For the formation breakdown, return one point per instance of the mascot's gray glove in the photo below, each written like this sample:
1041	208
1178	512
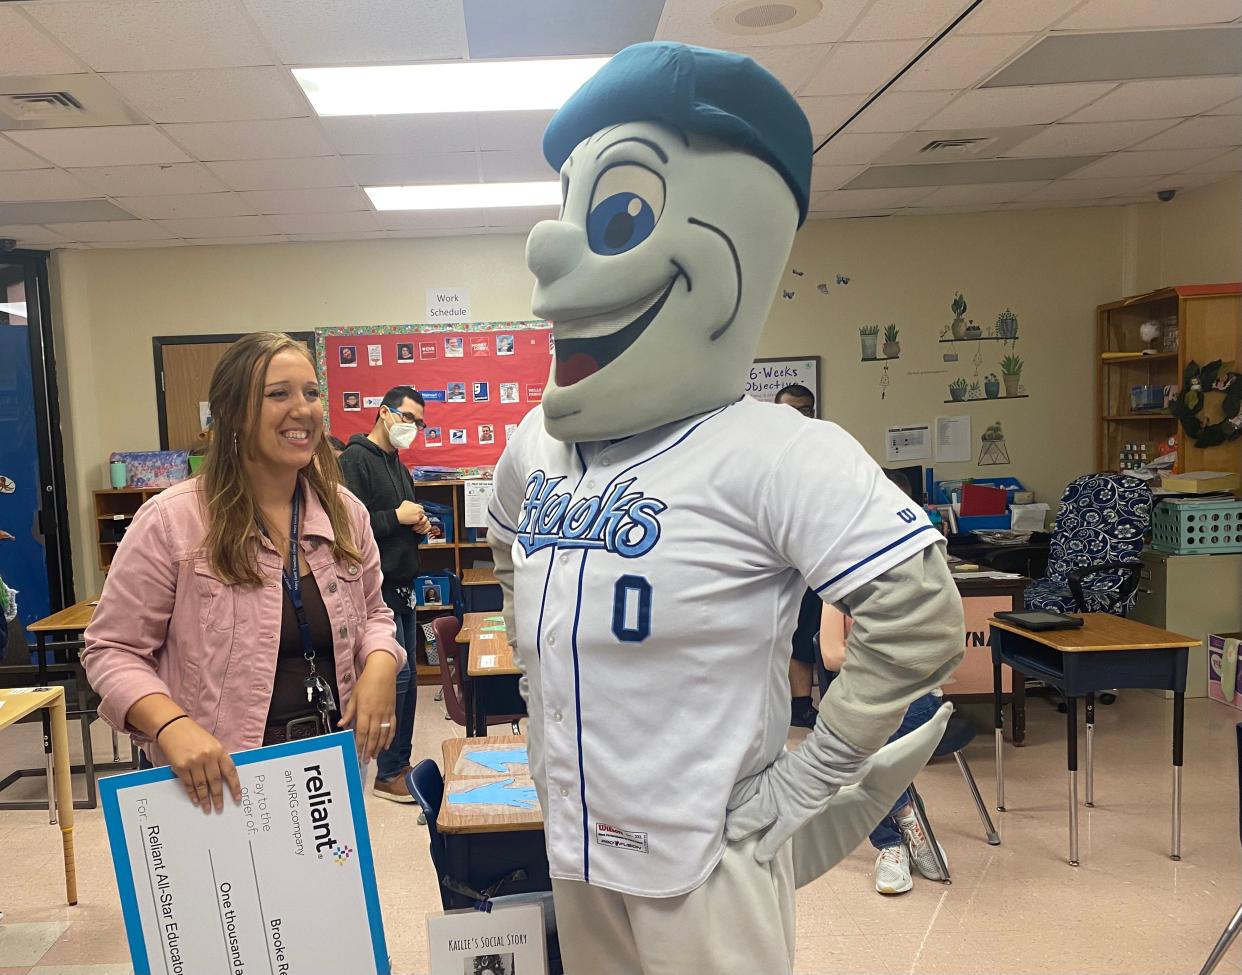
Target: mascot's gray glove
792	790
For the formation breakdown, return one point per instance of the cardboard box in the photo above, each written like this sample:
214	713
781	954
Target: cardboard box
1224	674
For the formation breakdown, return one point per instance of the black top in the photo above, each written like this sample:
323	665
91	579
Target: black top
381	483
289	689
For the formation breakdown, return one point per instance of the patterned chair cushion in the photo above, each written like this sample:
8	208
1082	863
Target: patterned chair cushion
1100	591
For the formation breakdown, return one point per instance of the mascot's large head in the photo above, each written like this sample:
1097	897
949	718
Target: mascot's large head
685	173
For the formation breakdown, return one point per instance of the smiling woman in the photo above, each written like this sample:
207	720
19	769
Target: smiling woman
244	604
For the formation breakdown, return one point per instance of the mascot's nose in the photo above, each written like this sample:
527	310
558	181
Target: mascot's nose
553	249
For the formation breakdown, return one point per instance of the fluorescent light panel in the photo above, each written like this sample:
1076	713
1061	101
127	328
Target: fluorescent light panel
465	196
459	86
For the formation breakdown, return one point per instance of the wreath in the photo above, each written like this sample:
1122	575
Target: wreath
1196	383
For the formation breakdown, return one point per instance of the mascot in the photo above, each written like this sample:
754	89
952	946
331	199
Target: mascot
652	529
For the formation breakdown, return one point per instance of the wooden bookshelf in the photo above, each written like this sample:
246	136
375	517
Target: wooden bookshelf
114	511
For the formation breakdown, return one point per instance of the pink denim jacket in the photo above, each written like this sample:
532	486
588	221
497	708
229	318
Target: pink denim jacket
166	624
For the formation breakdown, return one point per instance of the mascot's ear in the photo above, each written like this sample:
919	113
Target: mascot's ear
852	813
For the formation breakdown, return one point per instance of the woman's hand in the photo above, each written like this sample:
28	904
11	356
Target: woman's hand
371	711
201	763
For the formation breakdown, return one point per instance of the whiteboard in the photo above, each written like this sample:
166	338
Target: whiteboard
769	376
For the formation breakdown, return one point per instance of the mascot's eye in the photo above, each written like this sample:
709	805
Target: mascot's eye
625	207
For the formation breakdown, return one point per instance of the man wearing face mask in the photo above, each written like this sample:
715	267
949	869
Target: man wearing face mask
372	470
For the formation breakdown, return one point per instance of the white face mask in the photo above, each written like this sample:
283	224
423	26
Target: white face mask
402	435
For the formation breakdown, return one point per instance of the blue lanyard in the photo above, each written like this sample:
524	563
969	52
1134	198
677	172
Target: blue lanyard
293	583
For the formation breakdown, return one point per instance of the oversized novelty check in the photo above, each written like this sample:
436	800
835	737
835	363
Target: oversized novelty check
282	884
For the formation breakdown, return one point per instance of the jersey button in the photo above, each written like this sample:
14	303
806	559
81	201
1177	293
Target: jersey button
564	557
564	793
606	462
551	639
557	716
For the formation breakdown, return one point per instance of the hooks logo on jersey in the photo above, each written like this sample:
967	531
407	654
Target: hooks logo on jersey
622	521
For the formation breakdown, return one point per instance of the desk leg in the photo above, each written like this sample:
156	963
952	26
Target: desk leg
998	717
47	733
1018	708
1090	708
1179	721
1071	743
64	795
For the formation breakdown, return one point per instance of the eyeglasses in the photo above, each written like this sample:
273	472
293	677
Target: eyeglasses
409	418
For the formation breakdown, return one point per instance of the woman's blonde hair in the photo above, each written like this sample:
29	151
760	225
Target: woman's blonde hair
236	398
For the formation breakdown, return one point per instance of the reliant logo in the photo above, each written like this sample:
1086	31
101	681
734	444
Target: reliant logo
342	854
319	798
621	521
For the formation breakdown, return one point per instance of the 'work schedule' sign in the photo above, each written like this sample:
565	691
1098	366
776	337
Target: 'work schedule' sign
282	884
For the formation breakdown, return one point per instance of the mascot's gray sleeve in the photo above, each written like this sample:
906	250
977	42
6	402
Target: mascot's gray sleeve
907	638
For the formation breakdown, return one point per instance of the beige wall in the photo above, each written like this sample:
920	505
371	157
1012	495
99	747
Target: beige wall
1195	238
1051	267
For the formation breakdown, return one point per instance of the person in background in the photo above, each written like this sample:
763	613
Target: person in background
337	445
373	470
802	712
196	647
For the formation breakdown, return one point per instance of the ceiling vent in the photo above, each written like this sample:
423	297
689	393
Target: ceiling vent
952	147
765	16
59	101
34	106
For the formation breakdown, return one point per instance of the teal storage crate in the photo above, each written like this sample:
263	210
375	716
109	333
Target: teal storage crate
1187	526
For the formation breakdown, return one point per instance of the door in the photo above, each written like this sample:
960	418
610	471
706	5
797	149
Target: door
34	553
183	368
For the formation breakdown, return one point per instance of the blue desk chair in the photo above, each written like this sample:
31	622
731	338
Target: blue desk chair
1234	926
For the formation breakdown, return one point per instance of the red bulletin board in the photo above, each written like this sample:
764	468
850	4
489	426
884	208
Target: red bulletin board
479	381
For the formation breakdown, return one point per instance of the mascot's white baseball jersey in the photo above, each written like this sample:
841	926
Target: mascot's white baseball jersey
653	529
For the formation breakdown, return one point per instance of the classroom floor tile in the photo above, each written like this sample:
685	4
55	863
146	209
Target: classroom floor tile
1016	908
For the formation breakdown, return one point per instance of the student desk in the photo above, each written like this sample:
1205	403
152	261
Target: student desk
500	829
981	597
490	656
1106	652
15	704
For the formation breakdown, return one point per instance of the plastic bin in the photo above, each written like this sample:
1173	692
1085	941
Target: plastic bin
1146	398
1188	526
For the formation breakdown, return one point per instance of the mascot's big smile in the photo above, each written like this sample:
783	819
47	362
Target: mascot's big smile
578	358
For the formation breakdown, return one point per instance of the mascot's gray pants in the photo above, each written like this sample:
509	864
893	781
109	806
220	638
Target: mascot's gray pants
740	921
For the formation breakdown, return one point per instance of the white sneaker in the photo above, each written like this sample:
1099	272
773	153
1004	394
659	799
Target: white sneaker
892	871
920	849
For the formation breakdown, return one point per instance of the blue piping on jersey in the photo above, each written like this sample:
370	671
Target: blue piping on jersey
874	555
665	450
501	524
586	836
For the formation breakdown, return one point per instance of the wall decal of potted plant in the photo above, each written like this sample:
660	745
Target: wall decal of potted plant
958	327
1007	326
868	335
991	386
957	389
975	391
892	348
973	331
1011	370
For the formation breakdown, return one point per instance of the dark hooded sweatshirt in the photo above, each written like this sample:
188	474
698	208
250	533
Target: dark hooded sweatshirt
381	484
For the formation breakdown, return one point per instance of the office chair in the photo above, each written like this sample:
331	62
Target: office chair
1235	925
452	670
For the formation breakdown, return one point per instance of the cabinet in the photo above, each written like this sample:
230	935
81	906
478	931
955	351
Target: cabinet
1191	594
1198	323
114	510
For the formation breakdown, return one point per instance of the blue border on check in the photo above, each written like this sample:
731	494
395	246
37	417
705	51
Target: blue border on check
110	788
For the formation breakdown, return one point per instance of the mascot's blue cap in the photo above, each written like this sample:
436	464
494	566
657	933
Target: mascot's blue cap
696	89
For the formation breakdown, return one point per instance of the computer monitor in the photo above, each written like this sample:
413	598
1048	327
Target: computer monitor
913	477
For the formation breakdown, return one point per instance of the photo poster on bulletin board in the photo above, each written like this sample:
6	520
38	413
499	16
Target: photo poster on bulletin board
769	376
479	380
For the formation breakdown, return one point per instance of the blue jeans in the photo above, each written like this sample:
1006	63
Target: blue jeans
393	760
918	714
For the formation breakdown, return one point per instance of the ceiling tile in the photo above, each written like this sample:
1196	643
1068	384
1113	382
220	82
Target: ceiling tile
1160	98
824	178
1015	18
1184	182
14	157
980	193
507	130
219	227
557	28
355	235
110	145
1088	189
337	199
274	139
42	184
315	223
849	149
1228	163
850	214
59	211
362	31
901	111
793	66
440	167
282	174
1229	108
1207	130
519	217
111	230
967	173
827	112
1079	139
1015	106
26	50
238	241
150	180
509	165
1146	163
147	35
893	19
960	62
172	207
28	235
857	200
860	67
385	134
215	95
691	21
1117	14
432	219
